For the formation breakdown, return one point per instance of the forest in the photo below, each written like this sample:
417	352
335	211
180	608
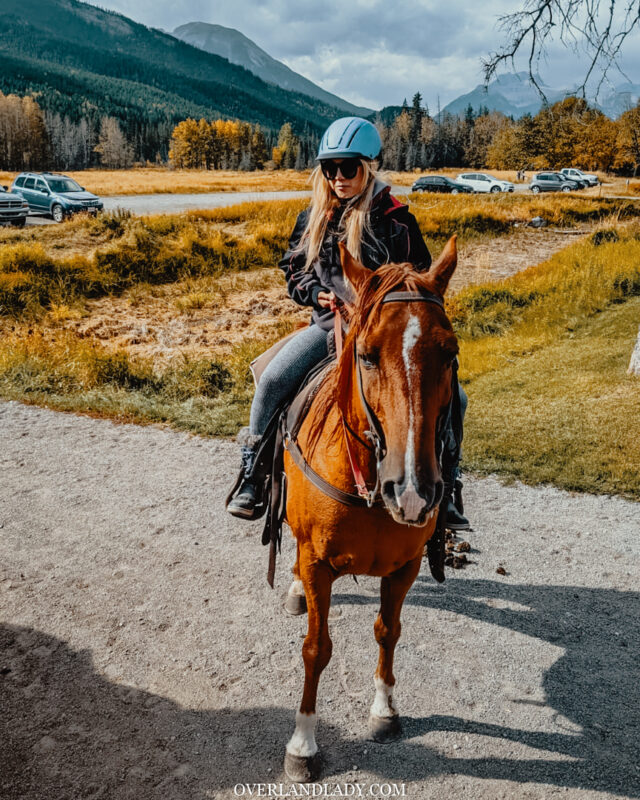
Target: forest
570	132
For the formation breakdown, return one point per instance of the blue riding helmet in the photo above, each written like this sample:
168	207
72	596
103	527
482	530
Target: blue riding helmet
348	137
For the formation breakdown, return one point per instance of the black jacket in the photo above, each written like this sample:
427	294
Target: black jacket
397	239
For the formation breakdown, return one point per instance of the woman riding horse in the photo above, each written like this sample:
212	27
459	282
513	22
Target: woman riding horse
349	204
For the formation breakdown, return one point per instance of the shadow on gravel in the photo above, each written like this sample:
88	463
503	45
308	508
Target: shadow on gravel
594	684
66	732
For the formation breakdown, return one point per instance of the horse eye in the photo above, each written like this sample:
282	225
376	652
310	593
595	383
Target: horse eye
368	360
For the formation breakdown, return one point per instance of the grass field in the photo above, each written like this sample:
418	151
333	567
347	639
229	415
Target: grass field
161	180
543	353
544	359
46	266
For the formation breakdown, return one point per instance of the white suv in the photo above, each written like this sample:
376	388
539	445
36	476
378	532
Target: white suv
481	182
579	175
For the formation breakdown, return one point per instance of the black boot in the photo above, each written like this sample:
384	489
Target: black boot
243	502
456	520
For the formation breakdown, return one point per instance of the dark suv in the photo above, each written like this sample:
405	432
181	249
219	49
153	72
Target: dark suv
55	194
440	183
13	208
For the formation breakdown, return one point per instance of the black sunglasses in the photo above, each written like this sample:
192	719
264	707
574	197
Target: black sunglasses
348	168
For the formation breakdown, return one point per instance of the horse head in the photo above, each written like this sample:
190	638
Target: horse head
401	347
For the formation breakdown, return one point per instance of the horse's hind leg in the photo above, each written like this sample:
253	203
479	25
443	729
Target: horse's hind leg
296	602
301	761
384	722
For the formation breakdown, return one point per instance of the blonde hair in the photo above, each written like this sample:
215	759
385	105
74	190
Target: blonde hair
355	220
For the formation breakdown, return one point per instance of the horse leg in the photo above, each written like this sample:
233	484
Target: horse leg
384	722
302	763
296	602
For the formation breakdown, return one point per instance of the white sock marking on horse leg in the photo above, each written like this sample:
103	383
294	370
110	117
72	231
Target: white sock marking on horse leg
297	588
382	702
303	741
410	501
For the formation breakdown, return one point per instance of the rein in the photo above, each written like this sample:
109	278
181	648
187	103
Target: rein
375	434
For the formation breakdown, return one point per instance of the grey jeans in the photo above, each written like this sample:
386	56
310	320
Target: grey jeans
285	373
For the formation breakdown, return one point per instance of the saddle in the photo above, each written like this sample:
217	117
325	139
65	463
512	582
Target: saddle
281	433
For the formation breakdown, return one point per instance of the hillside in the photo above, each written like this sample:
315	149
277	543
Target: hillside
239	49
83	61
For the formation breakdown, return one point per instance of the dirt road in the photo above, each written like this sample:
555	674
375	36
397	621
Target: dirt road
143	656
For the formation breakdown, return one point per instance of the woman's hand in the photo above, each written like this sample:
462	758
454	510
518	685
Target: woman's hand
325	298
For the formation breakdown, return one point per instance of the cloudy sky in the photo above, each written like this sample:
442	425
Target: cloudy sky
371	52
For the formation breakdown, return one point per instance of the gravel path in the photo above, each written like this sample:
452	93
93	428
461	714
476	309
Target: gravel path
142	654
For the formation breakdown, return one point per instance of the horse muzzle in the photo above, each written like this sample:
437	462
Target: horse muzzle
409	504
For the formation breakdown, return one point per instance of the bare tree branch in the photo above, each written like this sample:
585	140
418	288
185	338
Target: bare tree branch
595	27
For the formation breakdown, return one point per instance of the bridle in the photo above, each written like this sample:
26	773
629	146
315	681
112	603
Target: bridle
374	434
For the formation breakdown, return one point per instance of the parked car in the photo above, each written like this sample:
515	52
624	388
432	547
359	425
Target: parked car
481	182
551	182
13	208
579	183
578	174
440	183
55	194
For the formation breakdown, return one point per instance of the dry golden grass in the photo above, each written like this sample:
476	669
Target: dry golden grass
159	180
559	408
179	311
544	357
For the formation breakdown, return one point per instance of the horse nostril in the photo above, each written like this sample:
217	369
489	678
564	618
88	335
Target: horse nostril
388	490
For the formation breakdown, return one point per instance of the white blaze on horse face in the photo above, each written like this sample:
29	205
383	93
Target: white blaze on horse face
303	741
409	500
382	702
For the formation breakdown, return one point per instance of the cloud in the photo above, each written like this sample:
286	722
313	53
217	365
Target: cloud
371	52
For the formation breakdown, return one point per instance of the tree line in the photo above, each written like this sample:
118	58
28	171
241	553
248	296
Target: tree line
33	139
567	133
229	144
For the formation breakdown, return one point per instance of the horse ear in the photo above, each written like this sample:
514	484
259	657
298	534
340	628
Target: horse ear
355	272
444	267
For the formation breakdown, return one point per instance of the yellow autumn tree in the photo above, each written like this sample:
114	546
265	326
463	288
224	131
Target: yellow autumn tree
628	141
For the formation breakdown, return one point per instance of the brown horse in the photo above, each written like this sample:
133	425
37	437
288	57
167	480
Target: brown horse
391	384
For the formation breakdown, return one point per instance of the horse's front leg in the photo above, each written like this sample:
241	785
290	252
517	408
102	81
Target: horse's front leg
384	722
302	761
296	602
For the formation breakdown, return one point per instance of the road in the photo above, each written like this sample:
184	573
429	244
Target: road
142	654
172	203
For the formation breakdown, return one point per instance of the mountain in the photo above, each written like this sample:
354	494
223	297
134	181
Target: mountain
514	95
80	60
619	99
238	49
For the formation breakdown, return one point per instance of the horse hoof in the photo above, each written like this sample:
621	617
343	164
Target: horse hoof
302	769
385	729
295	604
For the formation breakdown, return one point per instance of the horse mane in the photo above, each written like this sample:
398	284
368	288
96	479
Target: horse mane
365	311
